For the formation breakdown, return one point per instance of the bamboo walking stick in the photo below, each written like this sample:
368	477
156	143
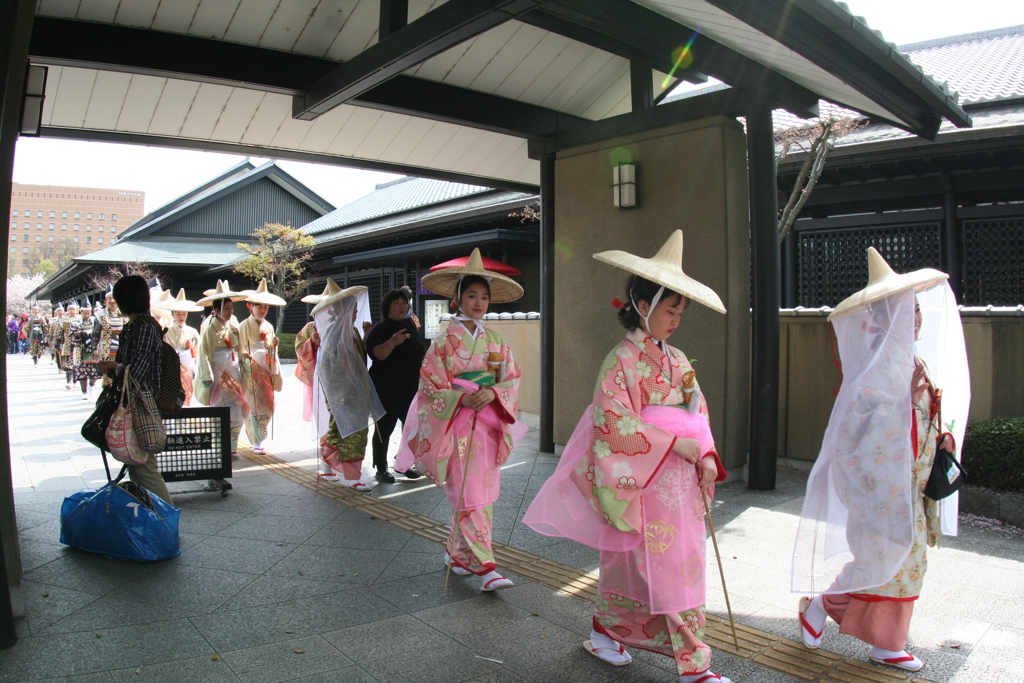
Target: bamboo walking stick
458	511
721	570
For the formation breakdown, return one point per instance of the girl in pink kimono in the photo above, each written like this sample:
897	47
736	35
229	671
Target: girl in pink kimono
632	479
462	425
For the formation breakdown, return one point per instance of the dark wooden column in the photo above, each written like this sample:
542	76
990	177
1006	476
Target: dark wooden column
15	30
791	296
952	244
547	303
765	299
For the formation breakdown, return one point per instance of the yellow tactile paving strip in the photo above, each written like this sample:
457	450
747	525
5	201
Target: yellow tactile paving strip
766	649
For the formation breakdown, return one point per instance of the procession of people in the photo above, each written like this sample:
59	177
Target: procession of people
869	515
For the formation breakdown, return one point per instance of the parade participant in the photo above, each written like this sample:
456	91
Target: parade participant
37	329
632	478
462	426
13	330
184	339
54	334
261	371
83	334
218	379
307	346
111	322
66	359
396	352
861	547
346	401
23	334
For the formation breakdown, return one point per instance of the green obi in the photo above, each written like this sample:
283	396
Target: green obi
482	378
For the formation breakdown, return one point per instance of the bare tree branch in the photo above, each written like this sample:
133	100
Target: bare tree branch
281	254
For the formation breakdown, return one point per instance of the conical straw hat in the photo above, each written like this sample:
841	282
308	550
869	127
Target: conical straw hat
260	295
665	268
445	282
180	303
883	281
158	304
223	291
330	288
329	299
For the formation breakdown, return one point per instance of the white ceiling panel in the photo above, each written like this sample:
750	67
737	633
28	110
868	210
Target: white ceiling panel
138	13
550	79
72	97
212	18
288	23
479	53
413	132
586	83
323	27
436	68
291	132
479	151
358	126
251	20
608	104
175	17
172	109
526	71
499	156
325	128
530	173
358	32
436	139
519	45
140	103
205	111
58	8
108	93
516	163
236	115
380	136
449	155
272	112
417	8
98	10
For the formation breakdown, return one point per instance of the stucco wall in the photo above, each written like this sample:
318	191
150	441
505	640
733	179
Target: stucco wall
690	176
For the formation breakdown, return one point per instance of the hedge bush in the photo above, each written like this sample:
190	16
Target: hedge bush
287	346
993	454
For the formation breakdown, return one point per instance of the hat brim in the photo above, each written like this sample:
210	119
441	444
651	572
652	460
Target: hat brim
334	298
234	296
444	282
894	284
312	298
671	278
183	305
265	298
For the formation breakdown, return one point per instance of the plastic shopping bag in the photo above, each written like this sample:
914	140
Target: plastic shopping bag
113	522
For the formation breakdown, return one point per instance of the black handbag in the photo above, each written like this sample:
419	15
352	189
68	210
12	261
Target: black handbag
947	475
94	429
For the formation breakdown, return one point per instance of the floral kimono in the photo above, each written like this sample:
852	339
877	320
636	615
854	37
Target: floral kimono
217	373
54	336
108	332
646	513
451	440
185	340
81	333
307	345
68	328
261	375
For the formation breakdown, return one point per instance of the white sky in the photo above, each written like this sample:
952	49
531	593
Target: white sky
164	174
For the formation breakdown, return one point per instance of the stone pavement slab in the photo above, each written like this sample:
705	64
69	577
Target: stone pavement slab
277	582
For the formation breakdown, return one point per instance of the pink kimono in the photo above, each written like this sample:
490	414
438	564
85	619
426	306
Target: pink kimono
620	488
447	440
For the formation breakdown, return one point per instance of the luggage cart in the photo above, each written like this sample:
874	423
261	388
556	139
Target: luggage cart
198	446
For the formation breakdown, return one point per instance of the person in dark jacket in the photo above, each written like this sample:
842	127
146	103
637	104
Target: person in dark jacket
396	351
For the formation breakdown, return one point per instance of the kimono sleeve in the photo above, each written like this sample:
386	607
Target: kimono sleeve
507	391
306	342
436	400
626	451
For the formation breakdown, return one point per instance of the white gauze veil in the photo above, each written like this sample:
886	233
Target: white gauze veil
341	373
857	527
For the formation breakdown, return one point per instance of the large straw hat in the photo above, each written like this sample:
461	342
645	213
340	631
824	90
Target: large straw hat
260	295
445	282
180	303
158	303
883	281
329	289
665	268
223	291
328	299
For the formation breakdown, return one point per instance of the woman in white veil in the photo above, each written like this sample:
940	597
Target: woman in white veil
866	523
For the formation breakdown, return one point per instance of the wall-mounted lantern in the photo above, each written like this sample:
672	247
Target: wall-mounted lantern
624	186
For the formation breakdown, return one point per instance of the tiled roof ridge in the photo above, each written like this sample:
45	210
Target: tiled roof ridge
963	38
396	181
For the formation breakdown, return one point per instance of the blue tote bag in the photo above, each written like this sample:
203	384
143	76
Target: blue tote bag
113	522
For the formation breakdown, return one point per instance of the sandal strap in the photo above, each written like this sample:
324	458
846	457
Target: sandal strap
498	578
708	677
898	660
807	627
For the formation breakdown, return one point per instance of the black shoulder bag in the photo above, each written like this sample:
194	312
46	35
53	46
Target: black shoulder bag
948	474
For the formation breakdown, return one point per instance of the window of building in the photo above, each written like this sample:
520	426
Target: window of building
14	213
24	261
100	240
113	216
113	228
76	226
88	215
88	239
52	226
88	228
101	216
63	238
77	214
24	250
39	226
51	238
100	228
39	214
14	238
76	238
28	225
63	226
63	214
53	214
26	238
39	238
14	250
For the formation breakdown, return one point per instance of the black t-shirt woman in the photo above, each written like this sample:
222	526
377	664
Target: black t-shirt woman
395	348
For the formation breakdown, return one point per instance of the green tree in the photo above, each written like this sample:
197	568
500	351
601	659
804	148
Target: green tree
281	254
44	266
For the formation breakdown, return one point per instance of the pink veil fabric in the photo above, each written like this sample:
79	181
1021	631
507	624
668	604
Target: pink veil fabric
664	566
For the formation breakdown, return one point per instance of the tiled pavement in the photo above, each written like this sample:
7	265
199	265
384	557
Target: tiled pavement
277	582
